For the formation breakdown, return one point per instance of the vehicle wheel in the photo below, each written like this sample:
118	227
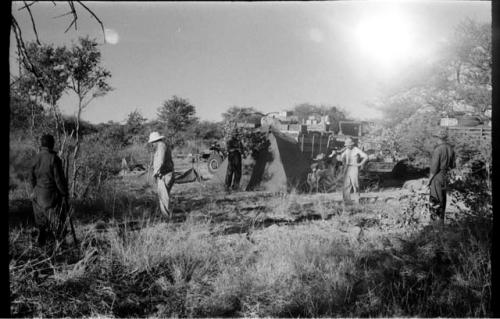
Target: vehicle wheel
214	162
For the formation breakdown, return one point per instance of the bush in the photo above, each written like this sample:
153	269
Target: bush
21	154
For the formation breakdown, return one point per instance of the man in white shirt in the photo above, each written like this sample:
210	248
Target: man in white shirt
351	169
163	171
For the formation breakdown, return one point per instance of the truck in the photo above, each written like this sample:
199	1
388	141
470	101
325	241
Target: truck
213	156
216	153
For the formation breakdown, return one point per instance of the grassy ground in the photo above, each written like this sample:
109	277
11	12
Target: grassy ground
253	254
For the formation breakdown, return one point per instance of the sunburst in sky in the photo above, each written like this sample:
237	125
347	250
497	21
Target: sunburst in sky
267	55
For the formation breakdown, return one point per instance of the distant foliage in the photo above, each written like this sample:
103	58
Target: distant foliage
99	160
177	115
242	114
206	130
27	116
415	137
53	72
135	128
411	139
459	80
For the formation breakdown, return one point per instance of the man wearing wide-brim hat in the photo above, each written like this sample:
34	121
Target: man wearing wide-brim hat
443	160
163	171
351	169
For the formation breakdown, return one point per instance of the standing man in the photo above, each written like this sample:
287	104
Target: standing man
50	193
443	159
233	174
163	171
351	169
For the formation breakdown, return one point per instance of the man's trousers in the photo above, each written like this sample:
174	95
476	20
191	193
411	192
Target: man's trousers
438	195
165	184
351	183
233	174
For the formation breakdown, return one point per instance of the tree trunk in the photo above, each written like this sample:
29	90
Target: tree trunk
57	120
98	186
77	147
32	123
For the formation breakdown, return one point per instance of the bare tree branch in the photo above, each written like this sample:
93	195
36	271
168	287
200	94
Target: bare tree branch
75	16
22	51
25	59
69	27
32	20
26	6
95	17
63	15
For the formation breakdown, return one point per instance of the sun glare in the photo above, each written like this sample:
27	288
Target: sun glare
387	37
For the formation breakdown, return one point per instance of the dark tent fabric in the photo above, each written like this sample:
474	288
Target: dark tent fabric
282	167
191	175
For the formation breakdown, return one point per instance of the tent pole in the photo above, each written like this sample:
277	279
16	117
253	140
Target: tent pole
312	153
320	140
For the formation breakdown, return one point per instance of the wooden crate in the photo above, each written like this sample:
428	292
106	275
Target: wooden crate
448	121
294	127
470	131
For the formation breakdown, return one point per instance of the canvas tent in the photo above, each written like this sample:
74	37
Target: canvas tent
280	168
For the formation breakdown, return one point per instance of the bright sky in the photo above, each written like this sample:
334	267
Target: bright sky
266	55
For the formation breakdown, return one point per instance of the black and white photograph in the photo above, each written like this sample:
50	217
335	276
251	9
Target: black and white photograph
250	159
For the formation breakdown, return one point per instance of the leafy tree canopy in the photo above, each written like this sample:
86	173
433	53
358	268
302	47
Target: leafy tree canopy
177	116
242	114
459	81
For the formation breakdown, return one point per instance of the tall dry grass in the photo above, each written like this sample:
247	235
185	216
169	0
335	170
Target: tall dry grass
306	270
363	261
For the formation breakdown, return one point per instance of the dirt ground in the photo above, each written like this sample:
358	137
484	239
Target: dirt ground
232	212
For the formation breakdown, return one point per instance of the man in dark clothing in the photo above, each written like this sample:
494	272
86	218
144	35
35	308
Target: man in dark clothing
443	159
50	192
233	174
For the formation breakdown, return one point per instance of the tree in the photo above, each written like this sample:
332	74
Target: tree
177	115
207	131
459	80
135	121
88	80
471	53
135	128
242	114
26	115
52	67
23	52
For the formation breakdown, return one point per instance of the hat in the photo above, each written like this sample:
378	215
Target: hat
155	137
348	142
